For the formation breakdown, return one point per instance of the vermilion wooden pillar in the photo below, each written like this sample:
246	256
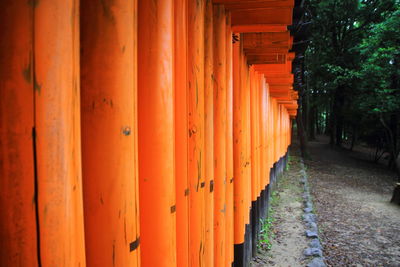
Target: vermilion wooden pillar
181	133
270	133
241	152
109	132
229	143
278	133
40	91
245	84
156	133
18	220
208	134
263	102
254	135
57	134
268	138
238	159
259	185
275	129
219	45
196	169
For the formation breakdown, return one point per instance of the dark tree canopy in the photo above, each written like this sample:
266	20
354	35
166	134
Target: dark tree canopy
351	73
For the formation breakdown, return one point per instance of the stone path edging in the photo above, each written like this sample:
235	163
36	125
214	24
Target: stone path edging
314	250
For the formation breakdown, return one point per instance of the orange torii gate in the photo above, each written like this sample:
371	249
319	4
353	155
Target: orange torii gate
141	133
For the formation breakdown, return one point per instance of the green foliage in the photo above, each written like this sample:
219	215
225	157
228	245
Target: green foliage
352	67
287	167
266	233
379	91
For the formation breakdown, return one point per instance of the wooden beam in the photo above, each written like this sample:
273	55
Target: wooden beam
265	40
288	80
278	75
270	68
280	95
254	4
279	87
266	59
259	28
267	50
262	16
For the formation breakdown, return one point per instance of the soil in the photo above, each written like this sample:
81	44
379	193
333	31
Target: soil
358	225
288	241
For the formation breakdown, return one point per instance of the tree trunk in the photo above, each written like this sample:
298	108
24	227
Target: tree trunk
393	140
398	167
317	122
327	122
338	103
339	130
332	129
312	120
391	136
305	109
353	138
332	122
396	195
300	119
301	134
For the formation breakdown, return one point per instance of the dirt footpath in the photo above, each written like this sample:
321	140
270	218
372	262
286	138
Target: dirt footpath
288	241
358	225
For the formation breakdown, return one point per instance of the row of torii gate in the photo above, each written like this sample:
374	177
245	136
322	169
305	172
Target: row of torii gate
140	133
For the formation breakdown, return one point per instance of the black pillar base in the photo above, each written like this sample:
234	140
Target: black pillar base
247	246
258	212
239	255
254	227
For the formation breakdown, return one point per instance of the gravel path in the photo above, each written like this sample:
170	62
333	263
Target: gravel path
359	227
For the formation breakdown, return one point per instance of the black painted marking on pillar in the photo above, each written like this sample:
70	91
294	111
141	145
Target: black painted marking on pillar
173	209
203	184
186	191
134	245
211	186
231	181
36	196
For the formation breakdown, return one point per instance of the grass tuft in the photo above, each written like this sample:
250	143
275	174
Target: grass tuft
266	232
